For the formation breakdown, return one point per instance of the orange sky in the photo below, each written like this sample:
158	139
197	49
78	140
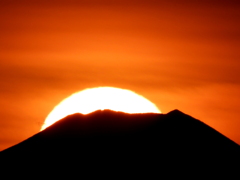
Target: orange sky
179	54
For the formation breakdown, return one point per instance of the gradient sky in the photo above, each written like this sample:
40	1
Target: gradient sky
179	54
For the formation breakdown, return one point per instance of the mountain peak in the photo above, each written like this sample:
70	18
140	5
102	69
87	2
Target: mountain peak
176	112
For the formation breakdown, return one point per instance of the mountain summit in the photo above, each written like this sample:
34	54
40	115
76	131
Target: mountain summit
121	142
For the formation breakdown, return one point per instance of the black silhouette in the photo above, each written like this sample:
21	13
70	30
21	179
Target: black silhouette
108	142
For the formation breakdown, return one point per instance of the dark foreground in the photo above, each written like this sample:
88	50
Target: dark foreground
114	144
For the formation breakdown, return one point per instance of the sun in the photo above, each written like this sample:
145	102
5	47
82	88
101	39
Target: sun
93	99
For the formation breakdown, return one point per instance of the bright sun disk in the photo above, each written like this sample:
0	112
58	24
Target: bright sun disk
93	99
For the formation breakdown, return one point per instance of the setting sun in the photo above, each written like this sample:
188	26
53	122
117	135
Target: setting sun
93	99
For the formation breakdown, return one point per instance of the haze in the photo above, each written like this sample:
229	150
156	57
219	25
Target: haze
178	54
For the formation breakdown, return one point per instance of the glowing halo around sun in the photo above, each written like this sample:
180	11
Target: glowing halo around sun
93	99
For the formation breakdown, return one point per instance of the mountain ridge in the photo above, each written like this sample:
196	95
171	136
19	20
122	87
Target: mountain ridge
80	124
137	140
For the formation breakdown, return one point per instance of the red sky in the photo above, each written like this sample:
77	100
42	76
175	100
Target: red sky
179	54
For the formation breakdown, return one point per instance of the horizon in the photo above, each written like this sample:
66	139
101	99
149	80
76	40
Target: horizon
123	122
168	127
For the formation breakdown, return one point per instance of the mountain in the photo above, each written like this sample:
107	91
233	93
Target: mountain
120	143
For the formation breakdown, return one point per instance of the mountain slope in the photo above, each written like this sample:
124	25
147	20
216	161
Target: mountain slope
120	142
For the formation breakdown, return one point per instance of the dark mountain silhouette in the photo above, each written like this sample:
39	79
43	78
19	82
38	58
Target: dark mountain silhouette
106	142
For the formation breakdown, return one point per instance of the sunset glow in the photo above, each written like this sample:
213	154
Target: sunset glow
179	54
